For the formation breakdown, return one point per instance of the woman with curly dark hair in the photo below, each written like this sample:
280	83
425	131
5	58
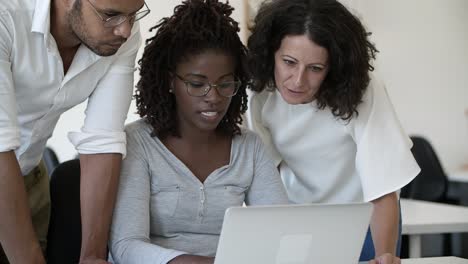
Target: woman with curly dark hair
326	120
188	160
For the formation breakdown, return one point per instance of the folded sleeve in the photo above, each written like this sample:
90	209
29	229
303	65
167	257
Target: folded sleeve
384	160
130	232
108	105
9	129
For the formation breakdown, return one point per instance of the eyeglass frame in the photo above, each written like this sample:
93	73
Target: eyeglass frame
126	17
210	86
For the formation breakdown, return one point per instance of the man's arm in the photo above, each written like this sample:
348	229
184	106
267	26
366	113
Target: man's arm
99	181
192	259
103	133
17	236
384	228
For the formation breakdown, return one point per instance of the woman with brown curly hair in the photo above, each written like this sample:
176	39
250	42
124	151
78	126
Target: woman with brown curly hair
326	120
188	160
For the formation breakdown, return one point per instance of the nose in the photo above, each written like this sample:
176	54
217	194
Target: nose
124	30
213	96
299	76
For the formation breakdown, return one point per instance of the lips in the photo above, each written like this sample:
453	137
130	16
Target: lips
117	44
209	113
294	91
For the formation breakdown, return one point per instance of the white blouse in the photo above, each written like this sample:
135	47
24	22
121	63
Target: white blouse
327	160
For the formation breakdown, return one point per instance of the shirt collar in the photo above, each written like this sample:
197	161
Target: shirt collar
41	24
41	17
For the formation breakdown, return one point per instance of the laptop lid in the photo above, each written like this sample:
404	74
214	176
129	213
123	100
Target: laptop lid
294	234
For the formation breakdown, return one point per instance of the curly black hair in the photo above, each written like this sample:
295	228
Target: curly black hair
328	24
195	27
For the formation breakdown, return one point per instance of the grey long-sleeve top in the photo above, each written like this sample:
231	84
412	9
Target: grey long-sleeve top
163	210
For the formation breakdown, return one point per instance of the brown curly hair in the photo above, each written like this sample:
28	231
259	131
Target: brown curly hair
330	25
196	26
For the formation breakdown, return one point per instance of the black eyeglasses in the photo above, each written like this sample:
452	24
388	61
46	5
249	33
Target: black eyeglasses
202	88
114	21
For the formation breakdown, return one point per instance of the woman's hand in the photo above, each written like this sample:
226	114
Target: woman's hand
386	258
191	259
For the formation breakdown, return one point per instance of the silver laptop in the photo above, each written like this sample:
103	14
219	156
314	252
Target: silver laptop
293	234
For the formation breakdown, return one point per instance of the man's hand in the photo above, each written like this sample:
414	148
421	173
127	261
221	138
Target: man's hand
92	260
386	258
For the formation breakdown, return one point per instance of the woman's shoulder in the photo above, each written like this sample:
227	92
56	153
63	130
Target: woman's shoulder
248	134
248	139
137	126
138	130
259	98
256	104
375	87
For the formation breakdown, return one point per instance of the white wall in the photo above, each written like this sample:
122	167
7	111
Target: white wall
423	59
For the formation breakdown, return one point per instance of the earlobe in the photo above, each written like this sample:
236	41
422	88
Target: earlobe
171	85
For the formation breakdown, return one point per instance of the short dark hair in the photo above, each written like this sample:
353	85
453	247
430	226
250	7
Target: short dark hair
195	27
328	24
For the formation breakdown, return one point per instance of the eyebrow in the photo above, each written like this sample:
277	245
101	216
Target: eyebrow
117	12
204	77
310	64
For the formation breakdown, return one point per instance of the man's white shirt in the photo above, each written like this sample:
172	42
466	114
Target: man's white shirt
34	91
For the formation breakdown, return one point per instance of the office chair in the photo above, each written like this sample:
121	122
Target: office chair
430	184
50	160
64	236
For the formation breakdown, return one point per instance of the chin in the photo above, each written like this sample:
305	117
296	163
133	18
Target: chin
102	50
105	53
208	129
294	100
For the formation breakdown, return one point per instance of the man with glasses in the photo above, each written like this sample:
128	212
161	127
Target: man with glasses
55	54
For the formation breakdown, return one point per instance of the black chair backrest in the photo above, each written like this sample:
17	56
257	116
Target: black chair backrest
64	236
431	184
50	160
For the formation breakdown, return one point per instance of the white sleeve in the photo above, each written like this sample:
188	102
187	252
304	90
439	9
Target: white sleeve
108	105
9	130
254	122
384	160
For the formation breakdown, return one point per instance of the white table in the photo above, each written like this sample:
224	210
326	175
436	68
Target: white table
458	191
441	260
420	217
458	186
458	176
